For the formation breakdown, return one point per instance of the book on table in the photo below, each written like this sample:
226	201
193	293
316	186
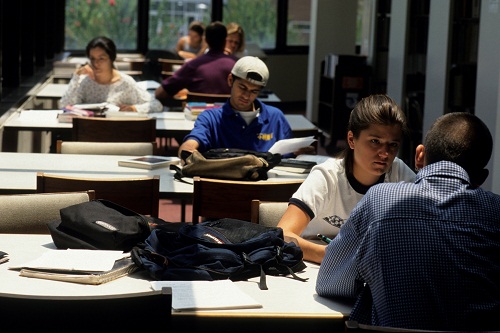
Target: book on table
149	162
79	266
193	109
295	165
122	267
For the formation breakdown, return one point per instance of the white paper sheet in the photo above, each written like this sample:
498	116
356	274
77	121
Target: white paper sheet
39	114
207	295
73	259
288	146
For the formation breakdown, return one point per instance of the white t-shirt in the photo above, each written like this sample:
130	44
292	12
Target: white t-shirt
331	198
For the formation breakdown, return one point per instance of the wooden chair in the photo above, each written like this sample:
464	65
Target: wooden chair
114	129
208	98
267	213
85	313
215	198
141	195
30	213
106	148
169	66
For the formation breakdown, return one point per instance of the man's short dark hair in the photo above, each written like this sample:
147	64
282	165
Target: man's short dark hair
215	36
462	138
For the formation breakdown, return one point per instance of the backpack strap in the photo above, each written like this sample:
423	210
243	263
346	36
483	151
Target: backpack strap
178	174
262	280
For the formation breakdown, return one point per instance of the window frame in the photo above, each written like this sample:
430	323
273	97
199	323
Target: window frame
216	15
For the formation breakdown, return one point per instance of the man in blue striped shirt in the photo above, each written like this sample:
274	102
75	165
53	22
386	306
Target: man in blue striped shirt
426	254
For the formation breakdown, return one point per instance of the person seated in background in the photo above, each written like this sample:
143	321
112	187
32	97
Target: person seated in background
332	189
100	82
243	122
424	255
192	45
235	40
206	73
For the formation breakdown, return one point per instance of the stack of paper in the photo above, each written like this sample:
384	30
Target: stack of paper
206	295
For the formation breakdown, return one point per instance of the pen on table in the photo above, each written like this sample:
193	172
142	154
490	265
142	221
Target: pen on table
324	238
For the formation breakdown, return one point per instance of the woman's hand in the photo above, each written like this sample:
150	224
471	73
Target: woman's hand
86	70
124	107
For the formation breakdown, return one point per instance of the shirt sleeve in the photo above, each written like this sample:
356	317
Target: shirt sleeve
180	80
73	95
318	190
143	101
337	276
204	130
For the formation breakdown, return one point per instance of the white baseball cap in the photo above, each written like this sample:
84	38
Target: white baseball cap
251	69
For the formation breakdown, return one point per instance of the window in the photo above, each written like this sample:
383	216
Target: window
257	17
164	21
86	19
169	20
299	22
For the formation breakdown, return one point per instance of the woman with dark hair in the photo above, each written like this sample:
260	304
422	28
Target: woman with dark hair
100	82
192	45
332	189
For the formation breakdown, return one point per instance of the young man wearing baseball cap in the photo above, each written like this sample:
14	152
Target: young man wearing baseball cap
244	121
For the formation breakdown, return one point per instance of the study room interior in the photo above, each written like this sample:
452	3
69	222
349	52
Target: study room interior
431	57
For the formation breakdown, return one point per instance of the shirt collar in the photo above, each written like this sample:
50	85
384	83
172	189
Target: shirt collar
446	168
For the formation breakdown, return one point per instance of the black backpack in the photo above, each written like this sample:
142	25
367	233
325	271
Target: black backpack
221	249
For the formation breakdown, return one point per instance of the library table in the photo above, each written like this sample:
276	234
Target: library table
288	305
168	124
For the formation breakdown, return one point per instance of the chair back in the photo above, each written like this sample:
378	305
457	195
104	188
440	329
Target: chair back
106	148
30	213
267	213
215	198
169	66
85	313
208	98
141	195
93	129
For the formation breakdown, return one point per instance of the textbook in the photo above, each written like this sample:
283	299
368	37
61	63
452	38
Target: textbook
294	165
193	109
149	162
122	267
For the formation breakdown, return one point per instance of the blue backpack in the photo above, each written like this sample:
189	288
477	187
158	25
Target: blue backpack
221	249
